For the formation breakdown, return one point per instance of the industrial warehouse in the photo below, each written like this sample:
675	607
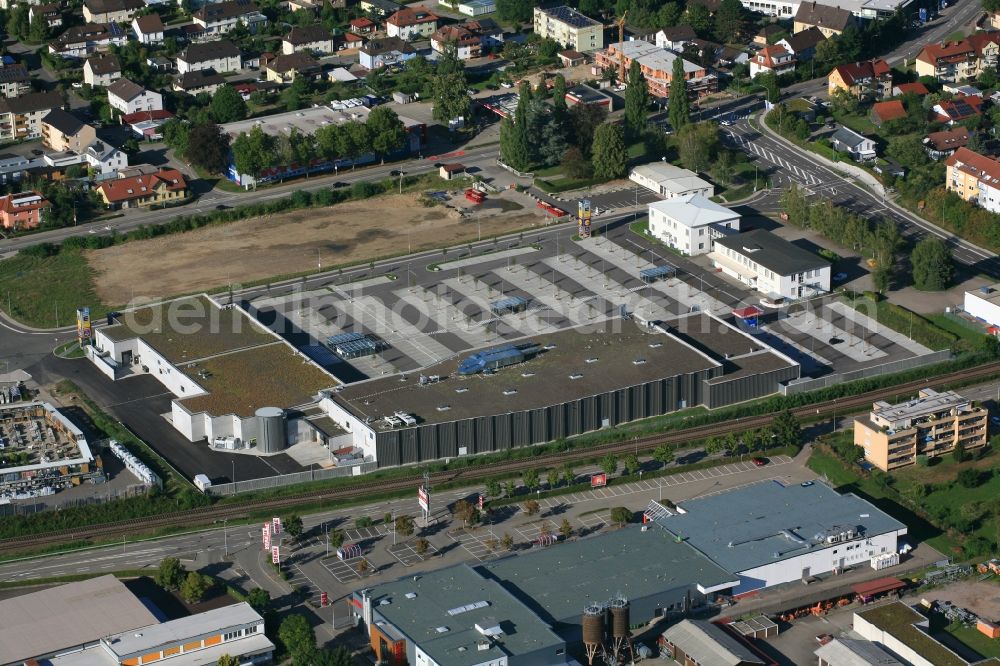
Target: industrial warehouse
583	597
503	397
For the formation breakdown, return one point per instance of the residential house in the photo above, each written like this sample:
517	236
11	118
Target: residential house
962	90
411	23
347	41
148	29
52	13
13	167
944	143
569	27
21	117
163	186
111	11
690	224
771	265
846	140
675	38
768	35
803	44
221	56
670	182
993	20
313	6
774	58
657	65
975	178
341	75
378	53
915	88
199	81
932	425
62	131
24	210
469	39
950	61
571	58
883	112
284	68
379	8
128	97
363	26
219	18
79	41
828	20
312	39
987	45
160	64
146	124
868	79
14	80
104	158
951	111
101	70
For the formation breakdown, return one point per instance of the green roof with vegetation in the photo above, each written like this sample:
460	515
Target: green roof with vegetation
898	619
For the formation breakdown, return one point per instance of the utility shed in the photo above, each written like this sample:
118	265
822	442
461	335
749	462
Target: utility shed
701	642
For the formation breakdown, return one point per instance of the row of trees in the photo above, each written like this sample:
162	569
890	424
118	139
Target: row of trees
382	134
191	585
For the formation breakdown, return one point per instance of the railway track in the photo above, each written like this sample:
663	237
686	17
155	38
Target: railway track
207	515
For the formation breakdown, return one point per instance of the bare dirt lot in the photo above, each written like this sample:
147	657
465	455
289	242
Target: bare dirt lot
286	244
980	597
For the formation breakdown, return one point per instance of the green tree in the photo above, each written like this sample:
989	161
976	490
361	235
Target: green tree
559	94
584	119
969	478
552	478
576	165
171	573
208	148
449	85
530	478
609	464
516	147
38	29
259	600
609	153
194	587
932	264
227	105
387	131
663	454
568	474
514	11
907	151
699	18
507	542
958	454
696	144
492	488
724	166
786	429
176	135
337	538
297	637
254	151
679	107
17	21
510	489
405	525
565	529
292	525
621	515
632	464
636	101
226	660
729	22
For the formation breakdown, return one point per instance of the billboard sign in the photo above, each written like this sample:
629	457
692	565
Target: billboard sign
599	480
276	525
266	534
482	501
424	499
83	326
275	555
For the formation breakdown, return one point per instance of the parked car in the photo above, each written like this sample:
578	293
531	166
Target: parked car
759	462
839	277
506	84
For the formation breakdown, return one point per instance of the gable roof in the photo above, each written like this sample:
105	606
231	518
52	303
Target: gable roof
980	39
221	11
678	33
308	34
385	45
803	40
145	116
22	201
694	210
958	109
848	137
891	110
205	51
977	165
707	643
411	16
95	32
768	56
149	23
125	90
104	64
854	73
104	6
823	16
34	101
948	139
297	61
916	88
65	123
137	187
947	51
199	78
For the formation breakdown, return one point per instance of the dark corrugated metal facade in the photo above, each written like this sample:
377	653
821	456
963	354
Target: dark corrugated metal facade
486	434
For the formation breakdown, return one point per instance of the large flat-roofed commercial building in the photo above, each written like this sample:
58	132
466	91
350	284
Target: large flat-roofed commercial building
670	181
573	382
907	634
67	618
771	265
767	534
42	452
984	304
931	425
455	617
691	224
222	366
570	28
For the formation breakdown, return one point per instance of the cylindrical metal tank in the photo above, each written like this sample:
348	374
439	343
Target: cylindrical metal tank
593	625
619	619
270	430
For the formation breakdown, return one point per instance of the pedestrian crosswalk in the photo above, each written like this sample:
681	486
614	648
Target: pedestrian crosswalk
797	173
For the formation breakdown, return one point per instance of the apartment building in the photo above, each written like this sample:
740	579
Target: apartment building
570	28
771	265
950	61
829	20
111	11
222	56
310	38
24	210
220	17
79	41
411	23
101	70
14	80
21	117
931	424
128	97
657	65
975	178
62	131
868	79
468	39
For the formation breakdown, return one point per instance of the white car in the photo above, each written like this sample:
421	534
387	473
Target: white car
506	84
77	84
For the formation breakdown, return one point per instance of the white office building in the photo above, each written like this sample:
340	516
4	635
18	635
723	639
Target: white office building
691	223
670	181
984	304
771	265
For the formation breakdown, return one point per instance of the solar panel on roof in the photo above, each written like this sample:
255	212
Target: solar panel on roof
570	17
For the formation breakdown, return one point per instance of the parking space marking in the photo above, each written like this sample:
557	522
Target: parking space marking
592	521
408	555
363	533
345	570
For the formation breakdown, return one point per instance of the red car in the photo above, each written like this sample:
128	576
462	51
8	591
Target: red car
760	462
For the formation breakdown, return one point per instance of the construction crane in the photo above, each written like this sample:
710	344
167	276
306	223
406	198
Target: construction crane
621	48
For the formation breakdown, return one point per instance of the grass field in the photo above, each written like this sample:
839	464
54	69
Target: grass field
45	292
981	643
947	323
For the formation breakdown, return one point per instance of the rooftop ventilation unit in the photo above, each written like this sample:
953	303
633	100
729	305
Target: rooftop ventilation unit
458	610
